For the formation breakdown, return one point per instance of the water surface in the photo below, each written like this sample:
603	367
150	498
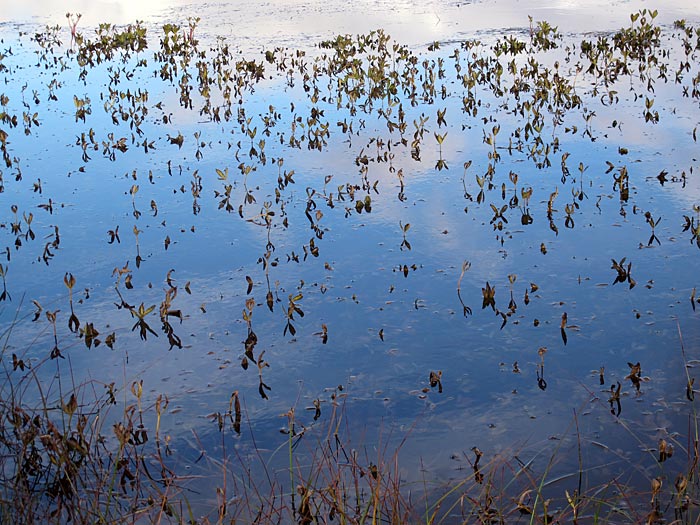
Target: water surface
386	292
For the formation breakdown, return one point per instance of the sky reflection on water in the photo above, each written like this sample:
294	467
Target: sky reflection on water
253	25
362	289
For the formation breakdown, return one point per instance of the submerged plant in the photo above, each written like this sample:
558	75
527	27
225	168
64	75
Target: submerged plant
325	138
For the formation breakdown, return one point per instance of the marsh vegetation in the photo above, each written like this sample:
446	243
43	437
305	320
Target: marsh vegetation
353	282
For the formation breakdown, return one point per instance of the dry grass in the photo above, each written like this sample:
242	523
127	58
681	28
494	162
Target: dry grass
75	453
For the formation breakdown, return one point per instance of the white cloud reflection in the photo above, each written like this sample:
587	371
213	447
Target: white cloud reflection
409	21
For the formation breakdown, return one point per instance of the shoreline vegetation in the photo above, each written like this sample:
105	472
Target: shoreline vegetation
93	459
76	449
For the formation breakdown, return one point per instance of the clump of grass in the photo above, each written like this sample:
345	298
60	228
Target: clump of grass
78	454
330	477
68	454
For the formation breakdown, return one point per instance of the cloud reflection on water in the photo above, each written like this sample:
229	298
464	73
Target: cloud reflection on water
254	25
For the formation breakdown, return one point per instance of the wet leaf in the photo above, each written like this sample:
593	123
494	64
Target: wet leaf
179	140
488	294
665	450
289	327
73	323
114	235
317	409
90	335
436	380
689	392
656	485
250	304
563	325
522	507
250	343
17	363
72	405
262	388
37	312
635	375
69	281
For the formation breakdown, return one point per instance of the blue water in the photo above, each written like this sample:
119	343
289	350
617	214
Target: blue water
392	314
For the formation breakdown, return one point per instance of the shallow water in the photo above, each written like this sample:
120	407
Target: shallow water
288	22
392	311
